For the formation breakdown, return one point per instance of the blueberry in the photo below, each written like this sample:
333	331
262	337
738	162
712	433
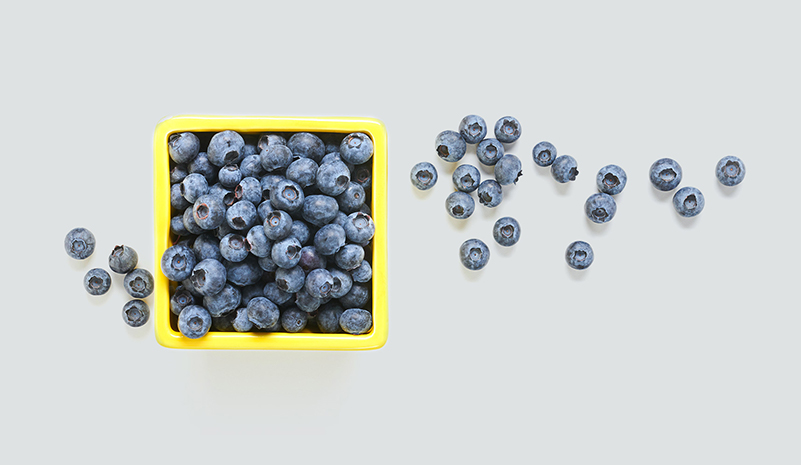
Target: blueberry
611	179
194	321
466	178
306	145
340	219
79	243
225	148
333	178
362	175
178	173
193	186
290	279
223	324
363	273
579	255
349	257
250	148
319	210
223	302
460	205
135	313
225	195
450	146
177	226
600	208
177	199
267	140
303	171
251	291
183	147
564	169
490	193
277	225
544	154
300	231
319	283
208	277
189	221
277	296
97	281
229	176
356	321
331	156
352	199
507	129
508	170
506	231
286	252
328	318
233	248
242	215
310	259
275	157
287	195
122	259
205	246
665	174
423	175
268	183
357	296
730	171
688	202
244	273
307	303
180	299
329	239
251	167
264	209
177	262
241	323
267	263
474	254
208	211
489	151
294	320
249	189
473	129
202	166
138	283
356	148
257	242
360	228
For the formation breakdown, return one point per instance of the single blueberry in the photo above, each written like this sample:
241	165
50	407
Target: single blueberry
343	281
208	277
349	257
352	199
490	193
329	239
688	202
564	169
423	175
600	208
135	313
97	281
611	179
544	154
450	146
208	211
267	263
233	248
79	243
730	171
356	148
507	129
310	259
287	195
251	167
206	246
294	320
665	174
303	171
508	170
362	175
489	151
460	205
122	259
249	189
360	228
229	176
290	279
193	186
242	215
180	299
357	296
306	145
177	199
319	283
474	254
473	129
506	231
333	178
241	323
319	210
276	157
177	262
225	148
183	147
276	295
286	252
266	140
139	283
189	221
178	173
363	273
177	226
194	321
202	166
356	321
579	255
257	243
466	178
300	231
328	318
223	302
277	225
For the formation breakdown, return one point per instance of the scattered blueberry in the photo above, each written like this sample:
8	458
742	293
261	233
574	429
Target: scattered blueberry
466	178
489	151
79	243
460	205
97	281
544	154
611	179
138	283
490	193
507	129
688	202
423	175
508	170
135	313
600	208
450	146
665	174
473	129
474	254
564	169
730	171
579	255
506	231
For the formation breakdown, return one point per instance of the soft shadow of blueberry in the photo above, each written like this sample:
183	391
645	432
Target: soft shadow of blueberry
99	300
687	223
422	195
598	229
470	275
504	251
562	188
577	275
662	196
729	192
460	225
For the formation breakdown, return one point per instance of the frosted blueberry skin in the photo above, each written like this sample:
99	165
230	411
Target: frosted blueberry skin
328	318
474	254
275	295
178	173
600	208
579	255
306	145
307	302
138	283
226	147
544	154
202	166
244	273
262	312
257	242
343	281
352	199
205	246
611	179
287	195
349	257
97	281
319	283
180	299
730	171
266	140
423	175
177	262
362	175
233	248
363	273
508	170
290	279
193	186
209	211
356	321
489	151
564	169
665	174
208	277
177	199
490	193
357	296
229	176
275	157
277	225
506	231
450	146
194	321
507	129
333	178
79	243
688	202
293	320
356	148
122	259
183	147
329	239
135	313
249	189
460	205
241	323
286	252
319	210
310	259
251	166
466	178
223	302
473	129
303	171
242	215
359	227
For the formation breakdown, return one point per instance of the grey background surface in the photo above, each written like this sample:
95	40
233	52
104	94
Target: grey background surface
679	345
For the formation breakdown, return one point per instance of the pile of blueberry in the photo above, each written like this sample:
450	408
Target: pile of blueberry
665	175
138	282
270	232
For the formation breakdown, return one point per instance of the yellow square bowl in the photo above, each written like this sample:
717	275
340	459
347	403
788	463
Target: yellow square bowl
166	325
